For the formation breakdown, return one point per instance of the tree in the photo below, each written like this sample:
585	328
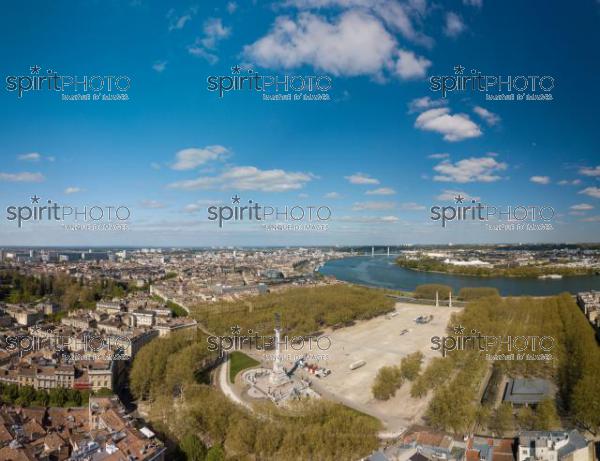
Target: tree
419	388
428	291
27	395
11	393
586	404
470	293
241	436
546	417
503	419
526	418
410	365
482	417
193	448
387	381
215	453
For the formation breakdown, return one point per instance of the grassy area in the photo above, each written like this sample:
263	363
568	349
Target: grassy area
239	361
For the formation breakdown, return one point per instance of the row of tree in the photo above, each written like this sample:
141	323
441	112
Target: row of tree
430	290
390	378
573	363
303	310
25	396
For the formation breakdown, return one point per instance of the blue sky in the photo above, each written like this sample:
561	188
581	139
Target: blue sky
174	147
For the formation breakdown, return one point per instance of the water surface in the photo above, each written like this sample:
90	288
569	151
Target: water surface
381	271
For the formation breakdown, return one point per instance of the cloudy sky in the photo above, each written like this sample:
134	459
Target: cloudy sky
380	153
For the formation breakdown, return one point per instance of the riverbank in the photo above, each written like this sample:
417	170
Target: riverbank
435	266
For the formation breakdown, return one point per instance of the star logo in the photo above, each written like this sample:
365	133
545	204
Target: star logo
35	199
458	70
235	199
459	198
35	69
236	330
459	330
236	69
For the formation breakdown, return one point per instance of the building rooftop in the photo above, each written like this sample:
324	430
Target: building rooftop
528	391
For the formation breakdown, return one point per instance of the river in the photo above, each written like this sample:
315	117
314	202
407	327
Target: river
381	271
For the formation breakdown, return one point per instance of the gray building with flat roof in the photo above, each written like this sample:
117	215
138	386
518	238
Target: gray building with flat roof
528	391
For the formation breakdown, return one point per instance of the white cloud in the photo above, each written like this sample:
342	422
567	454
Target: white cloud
582	207
180	22
214	31
591	219
24	176
199	205
200	52
424	103
398	17
333	195
72	190
450	195
231	7
152	204
409	65
192	208
454	25
177	22
411	206
540	179
477	3
31	157
355	43
564	182
203	47
473	169
590	171
454	127
368	219
489	117
248	178
188	159
159	66
34	157
361	178
438	156
361	206
591	191
381	191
